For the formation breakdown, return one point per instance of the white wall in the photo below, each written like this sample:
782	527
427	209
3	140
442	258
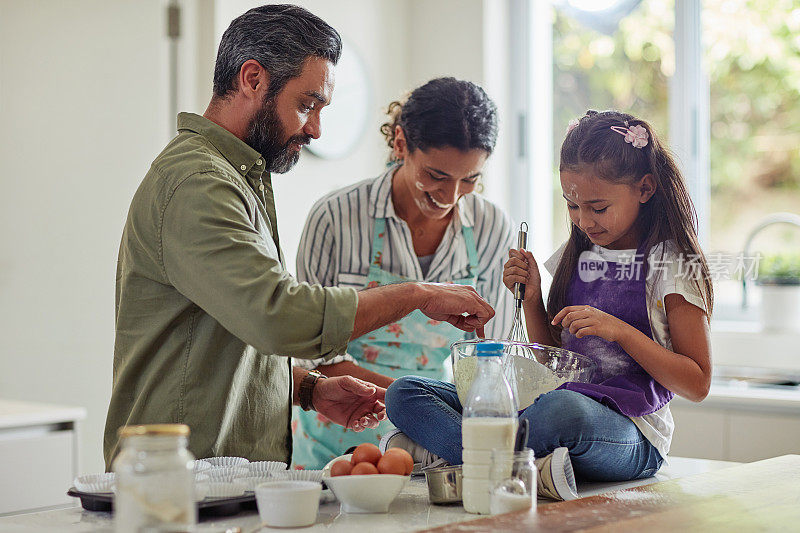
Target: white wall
84	107
404	43
466	39
377	30
447	40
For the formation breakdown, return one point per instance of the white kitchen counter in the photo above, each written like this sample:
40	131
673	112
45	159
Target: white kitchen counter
411	511
38	454
749	398
17	414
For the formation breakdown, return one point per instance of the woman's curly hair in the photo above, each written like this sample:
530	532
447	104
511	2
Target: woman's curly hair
445	112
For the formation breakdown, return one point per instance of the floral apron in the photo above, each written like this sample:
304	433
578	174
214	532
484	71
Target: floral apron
414	345
619	382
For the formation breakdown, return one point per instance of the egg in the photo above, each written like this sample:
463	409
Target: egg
341	468
404	455
366	453
364	468
392	463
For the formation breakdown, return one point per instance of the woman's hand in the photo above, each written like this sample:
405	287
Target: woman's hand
583	320
521	267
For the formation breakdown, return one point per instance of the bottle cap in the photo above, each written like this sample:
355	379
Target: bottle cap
489	349
177	430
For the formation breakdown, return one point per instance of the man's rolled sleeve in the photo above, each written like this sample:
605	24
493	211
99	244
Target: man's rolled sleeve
339	319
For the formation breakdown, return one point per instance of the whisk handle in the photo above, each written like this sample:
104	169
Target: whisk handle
522	242
519	293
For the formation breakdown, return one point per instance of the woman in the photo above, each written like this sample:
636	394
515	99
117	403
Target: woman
418	221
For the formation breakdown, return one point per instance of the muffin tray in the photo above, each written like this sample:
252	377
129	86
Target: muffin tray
206	508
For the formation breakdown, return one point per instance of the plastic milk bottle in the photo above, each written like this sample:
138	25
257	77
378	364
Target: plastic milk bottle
489	422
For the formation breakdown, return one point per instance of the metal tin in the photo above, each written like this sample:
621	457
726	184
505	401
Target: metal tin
444	484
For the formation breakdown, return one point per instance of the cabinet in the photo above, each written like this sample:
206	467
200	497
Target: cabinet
730	425
38	454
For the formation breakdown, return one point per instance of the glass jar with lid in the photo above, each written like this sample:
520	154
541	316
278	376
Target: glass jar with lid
155	479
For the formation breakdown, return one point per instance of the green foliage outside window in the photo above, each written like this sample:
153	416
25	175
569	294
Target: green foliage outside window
752	58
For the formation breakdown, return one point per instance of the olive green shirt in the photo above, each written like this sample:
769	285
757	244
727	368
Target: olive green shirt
206	314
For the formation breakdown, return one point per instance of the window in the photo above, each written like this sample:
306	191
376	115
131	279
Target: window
720	82
604	64
752	57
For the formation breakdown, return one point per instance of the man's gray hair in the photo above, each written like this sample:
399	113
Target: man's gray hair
280	37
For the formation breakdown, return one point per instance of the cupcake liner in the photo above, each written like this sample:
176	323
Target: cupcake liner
226	473
224	490
259	468
226	461
201	465
201	482
251	482
298	475
96	482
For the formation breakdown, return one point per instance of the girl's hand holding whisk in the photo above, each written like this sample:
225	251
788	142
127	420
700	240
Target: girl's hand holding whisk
584	320
521	267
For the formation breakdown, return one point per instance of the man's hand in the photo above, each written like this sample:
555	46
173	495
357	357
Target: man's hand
460	305
349	402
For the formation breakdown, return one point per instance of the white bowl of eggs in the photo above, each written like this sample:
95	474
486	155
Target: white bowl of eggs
367	481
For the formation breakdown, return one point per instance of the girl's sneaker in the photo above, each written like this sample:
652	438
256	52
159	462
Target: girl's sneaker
423	459
556	480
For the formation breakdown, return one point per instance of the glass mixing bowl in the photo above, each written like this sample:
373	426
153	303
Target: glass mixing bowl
531	369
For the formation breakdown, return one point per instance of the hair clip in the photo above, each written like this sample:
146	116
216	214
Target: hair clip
636	135
573	124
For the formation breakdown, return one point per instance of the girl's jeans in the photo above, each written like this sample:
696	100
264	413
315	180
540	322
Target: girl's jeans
603	444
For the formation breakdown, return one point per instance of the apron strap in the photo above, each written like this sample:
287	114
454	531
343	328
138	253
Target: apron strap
472	250
378	238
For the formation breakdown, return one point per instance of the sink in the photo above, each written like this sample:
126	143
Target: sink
744	377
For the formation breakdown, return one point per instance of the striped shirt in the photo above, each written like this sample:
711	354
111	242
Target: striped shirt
335	248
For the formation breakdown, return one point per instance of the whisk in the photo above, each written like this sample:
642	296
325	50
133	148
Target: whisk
517	332
517	336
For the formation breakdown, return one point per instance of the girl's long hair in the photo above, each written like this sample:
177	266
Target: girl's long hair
669	215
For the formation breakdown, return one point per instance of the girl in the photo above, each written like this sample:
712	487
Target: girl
631	290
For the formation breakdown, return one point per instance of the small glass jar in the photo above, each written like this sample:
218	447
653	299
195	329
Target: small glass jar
512	481
155	479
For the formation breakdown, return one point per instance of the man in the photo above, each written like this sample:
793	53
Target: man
206	315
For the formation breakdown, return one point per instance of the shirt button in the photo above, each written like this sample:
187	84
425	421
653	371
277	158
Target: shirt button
243	167
259	162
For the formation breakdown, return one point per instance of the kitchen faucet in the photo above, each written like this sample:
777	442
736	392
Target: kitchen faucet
769	220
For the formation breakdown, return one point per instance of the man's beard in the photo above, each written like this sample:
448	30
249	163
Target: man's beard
264	134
